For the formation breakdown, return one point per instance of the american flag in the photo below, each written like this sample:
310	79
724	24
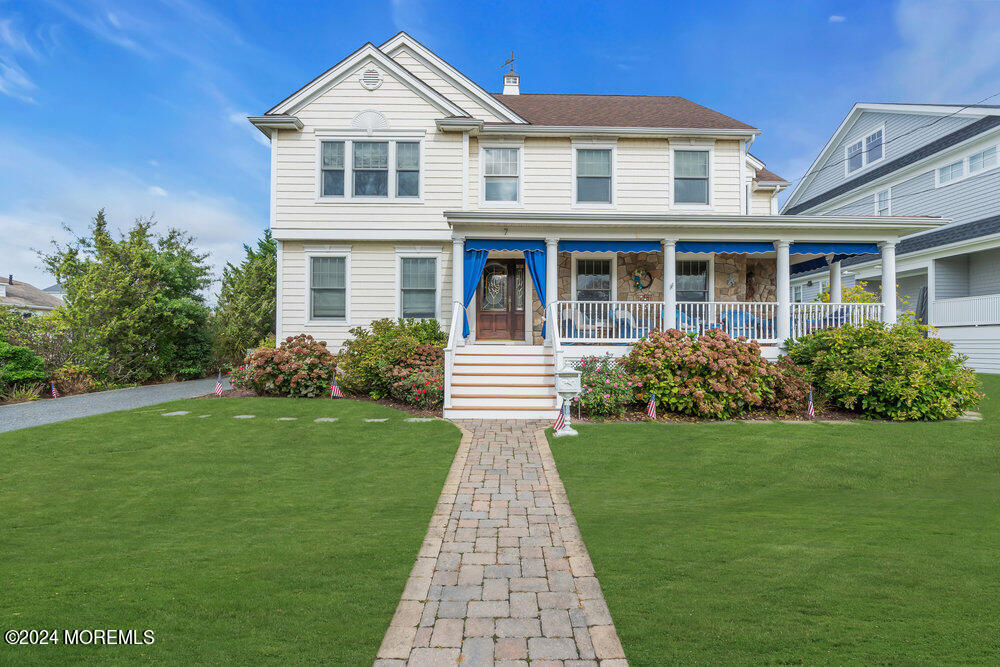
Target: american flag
218	385
335	390
811	409
561	419
55	393
651	406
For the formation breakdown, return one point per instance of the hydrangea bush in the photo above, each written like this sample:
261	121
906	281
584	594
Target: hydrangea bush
712	375
366	359
606	389
896	372
300	367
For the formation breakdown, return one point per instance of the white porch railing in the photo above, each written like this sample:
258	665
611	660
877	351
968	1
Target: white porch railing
754	319
554	334
455	340
606	321
966	311
810	317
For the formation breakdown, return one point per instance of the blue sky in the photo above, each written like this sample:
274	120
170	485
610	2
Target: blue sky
140	107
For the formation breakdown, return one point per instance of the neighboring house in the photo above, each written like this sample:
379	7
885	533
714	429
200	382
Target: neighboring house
536	227
26	299
920	159
56	290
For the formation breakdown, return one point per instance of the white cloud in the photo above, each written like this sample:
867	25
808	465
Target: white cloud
948	51
15	83
239	118
157	191
837	18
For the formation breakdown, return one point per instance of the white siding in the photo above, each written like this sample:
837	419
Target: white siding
984	272
760	202
432	78
980	344
373	284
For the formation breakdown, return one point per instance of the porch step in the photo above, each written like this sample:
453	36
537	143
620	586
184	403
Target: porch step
489	401
503	382
486	390
503	367
499	413
483	358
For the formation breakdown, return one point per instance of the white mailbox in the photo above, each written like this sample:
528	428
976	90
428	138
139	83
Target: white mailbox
568	382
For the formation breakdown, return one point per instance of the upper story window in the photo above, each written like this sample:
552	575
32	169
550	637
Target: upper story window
501	174
983	160
882	202
593	175
366	169
864	152
951	172
691	177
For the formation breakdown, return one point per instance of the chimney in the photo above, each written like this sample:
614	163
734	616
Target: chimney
511	84
10	279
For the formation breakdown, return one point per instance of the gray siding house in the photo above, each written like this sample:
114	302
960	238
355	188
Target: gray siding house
918	160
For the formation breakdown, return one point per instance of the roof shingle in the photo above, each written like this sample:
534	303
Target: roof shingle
617	111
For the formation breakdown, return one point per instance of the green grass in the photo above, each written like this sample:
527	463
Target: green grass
782	543
233	540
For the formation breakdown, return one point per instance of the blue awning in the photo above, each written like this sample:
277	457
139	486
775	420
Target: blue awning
610	246
843	249
505	244
745	247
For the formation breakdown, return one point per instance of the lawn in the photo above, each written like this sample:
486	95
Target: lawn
785	543
234	540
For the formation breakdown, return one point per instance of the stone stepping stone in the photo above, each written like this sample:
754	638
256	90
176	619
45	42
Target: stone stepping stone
421	419
327	419
203	416
378	420
287	419
176	413
244	416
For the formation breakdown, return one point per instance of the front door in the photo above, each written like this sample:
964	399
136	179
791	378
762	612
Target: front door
500	301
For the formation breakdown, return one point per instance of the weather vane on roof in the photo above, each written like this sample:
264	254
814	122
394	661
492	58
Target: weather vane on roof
509	61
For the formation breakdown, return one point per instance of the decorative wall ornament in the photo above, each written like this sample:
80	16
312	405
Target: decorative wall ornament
642	278
371	78
370	120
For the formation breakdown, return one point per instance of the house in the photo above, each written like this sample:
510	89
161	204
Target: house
919	159
26	299
537	228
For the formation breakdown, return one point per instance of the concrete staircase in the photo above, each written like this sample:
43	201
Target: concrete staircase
503	382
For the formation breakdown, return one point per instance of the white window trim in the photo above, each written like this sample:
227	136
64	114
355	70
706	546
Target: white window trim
419	253
965	160
865	162
575	256
700	257
693	146
519	145
578	144
888	200
349	137
328	251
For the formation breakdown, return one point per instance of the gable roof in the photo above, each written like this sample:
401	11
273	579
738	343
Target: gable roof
974	110
767	176
24	295
335	74
463	83
556	109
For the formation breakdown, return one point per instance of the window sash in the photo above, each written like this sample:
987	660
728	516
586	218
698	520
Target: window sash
882	203
332	168
593	280
593	162
407	169
328	287
692	280
951	172
691	164
418	287
855	158
873	146
983	160
500	162
690	190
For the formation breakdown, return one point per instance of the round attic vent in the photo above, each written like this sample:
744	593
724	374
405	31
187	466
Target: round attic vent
371	78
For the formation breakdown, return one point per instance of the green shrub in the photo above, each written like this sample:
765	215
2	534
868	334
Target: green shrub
73	379
888	372
606	389
300	367
44	335
22	393
712	375
366	358
19	365
423	387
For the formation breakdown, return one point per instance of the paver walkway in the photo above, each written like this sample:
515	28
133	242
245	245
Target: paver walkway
503	575
35	413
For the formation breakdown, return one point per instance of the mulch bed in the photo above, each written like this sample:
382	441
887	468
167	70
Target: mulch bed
388	402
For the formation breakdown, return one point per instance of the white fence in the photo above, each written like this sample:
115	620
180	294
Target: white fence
754	319
810	317
607	321
966	311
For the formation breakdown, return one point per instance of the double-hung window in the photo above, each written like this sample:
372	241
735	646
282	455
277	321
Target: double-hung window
983	160
593	175
418	294
593	280
365	169
691	177
328	288
692	280
882	202
501	174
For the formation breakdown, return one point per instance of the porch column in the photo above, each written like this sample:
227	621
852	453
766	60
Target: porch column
836	293
551	279
888	282
457	272
784	292
670	283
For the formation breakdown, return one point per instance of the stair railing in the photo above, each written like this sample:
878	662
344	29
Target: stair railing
455	340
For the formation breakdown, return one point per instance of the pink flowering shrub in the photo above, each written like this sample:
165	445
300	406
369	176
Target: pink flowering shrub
712	375
606	389
419	378
300	367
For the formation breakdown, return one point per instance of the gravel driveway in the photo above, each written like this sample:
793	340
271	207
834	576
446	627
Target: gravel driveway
35	413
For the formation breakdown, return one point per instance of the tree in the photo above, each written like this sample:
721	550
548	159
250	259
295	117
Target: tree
856	293
246	310
135	306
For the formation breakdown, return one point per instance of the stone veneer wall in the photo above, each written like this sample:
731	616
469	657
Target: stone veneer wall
753	279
